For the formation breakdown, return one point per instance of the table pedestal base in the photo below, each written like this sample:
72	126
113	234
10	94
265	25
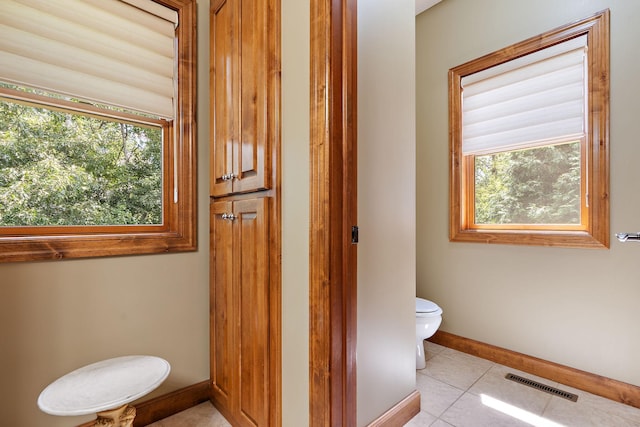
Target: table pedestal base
120	417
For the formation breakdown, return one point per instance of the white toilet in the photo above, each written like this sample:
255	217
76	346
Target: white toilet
428	319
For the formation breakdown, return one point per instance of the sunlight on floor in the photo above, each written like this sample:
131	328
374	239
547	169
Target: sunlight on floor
515	412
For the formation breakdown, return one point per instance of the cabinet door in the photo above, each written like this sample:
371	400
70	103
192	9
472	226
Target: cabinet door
223	311
224	83
242	87
252	157
240	310
252	267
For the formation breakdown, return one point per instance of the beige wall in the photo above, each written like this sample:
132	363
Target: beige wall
386	205
295	213
59	316
576	307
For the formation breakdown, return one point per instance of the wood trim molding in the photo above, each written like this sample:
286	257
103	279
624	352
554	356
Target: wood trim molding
401	413
274	124
592	383
168	404
332	257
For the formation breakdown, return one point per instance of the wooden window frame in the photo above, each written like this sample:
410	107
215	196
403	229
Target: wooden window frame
178	231
594	231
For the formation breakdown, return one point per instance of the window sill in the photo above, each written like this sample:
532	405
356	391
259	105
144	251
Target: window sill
567	239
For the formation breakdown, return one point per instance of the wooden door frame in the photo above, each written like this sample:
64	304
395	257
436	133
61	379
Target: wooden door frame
333	203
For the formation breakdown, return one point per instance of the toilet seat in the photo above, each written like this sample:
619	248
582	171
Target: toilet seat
426	308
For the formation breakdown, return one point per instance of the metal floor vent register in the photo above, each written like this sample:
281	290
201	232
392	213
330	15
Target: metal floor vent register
551	390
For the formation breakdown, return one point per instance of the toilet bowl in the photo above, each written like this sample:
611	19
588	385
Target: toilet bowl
428	319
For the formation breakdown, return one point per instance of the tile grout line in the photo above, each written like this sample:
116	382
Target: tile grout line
493	364
464	392
439	417
546	406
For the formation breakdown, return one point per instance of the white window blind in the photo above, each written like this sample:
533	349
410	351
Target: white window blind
528	102
104	51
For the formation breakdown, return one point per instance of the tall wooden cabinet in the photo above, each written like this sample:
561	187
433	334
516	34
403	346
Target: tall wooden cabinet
240	308
244	211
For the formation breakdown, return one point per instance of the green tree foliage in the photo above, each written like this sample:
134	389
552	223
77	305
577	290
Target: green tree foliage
534	186
59	168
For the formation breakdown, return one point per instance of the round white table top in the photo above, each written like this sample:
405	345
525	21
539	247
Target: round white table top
104	385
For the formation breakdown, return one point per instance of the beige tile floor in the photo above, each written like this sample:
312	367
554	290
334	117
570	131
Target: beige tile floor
203	415
459	390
